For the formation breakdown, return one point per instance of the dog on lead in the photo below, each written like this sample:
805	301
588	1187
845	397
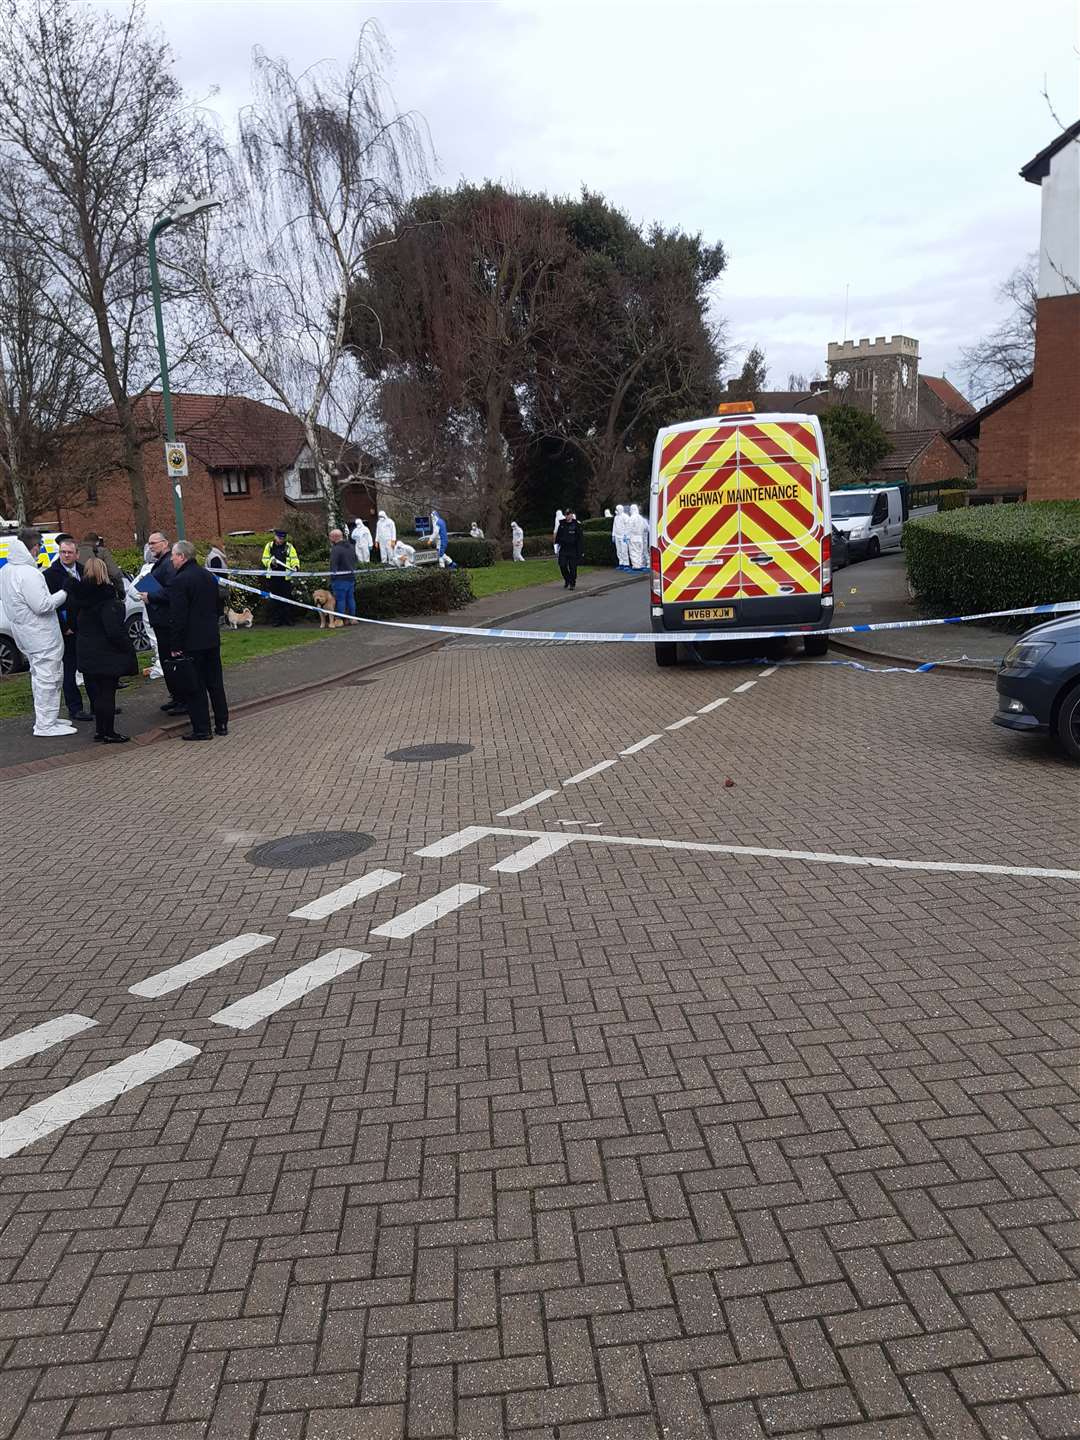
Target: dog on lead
325	601
238	619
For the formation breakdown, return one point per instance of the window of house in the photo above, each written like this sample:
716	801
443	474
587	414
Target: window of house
268	482
309	485
234	482
91	492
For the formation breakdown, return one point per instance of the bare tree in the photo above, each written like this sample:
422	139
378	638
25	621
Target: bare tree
1007	355
95	129
321	160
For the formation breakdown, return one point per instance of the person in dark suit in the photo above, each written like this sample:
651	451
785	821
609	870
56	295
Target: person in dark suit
570	544
103	647
193	626
157	614
65	573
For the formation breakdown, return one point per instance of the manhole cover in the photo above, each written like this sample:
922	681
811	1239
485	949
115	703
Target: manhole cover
429	752
309	850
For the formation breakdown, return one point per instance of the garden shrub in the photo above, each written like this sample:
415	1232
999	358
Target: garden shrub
385	593
473	554
952	499
994	557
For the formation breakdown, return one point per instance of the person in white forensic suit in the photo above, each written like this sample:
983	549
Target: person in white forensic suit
385	537
475	531
517	541
35	629
637	538
404	555
362	540
620	537
559	517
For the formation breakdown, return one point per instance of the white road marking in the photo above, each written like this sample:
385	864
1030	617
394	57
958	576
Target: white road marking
177	976
588	774
451	844
245	1013
770	671
816	857
678	725
428	911
525	805
746	685
714	705
586	824
347	895
75	1101
641	744
41	1037
531	855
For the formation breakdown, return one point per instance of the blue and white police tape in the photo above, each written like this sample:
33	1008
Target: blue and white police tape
288	574
650	637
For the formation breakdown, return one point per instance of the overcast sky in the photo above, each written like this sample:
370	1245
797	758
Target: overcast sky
827	144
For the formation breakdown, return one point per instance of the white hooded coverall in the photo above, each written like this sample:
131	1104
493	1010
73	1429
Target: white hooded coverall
31	617
361	538
620	535
404	555
517	540
558	522
637	528
385	537
475	531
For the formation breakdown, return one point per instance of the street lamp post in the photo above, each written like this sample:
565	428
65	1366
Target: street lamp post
175	216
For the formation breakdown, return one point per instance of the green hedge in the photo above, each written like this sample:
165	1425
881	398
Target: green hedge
952	499
387	593
993	557
599	549
473	554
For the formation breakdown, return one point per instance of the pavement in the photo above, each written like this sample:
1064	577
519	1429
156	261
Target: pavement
336	658
694	1056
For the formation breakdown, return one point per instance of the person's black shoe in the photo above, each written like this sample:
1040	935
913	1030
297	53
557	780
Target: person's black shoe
175	707
99	738
221	729
207	736
82	717
115	739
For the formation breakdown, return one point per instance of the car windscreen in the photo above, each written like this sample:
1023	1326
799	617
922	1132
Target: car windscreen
844	507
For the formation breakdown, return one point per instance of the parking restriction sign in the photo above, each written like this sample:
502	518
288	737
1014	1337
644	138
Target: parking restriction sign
176	460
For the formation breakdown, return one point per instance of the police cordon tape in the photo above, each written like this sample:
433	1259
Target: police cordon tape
653	637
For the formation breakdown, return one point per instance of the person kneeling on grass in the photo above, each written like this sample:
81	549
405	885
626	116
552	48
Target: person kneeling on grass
342	558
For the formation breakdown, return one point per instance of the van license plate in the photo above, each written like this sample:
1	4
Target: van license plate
712	612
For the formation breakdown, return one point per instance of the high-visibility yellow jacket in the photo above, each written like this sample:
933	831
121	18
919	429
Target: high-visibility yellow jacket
292	560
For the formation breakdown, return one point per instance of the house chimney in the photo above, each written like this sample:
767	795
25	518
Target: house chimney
1054	453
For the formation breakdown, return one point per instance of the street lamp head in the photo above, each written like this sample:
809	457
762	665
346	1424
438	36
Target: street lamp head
189	208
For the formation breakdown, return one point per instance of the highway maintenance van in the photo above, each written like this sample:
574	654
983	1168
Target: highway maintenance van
739	515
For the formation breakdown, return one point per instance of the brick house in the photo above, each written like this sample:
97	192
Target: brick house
249	469
1029	438
920	457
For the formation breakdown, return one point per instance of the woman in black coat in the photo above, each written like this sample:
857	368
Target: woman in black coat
103	647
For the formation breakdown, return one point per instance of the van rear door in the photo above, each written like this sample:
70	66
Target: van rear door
741	512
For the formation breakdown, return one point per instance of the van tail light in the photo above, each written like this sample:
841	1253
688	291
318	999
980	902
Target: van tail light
654	580
826	565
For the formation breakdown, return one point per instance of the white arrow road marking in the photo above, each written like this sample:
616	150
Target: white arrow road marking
525	805
75	1101
177	976
347	895
451	844
589	773
243	1014
428	911
41	1037
531	855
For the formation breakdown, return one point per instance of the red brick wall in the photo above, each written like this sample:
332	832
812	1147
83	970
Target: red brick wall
939	461
1004	439
208	514
1054	444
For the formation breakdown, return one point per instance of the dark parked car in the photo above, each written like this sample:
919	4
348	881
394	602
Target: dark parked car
1038	683
841	554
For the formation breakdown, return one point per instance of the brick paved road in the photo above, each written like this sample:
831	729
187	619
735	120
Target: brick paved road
637	1142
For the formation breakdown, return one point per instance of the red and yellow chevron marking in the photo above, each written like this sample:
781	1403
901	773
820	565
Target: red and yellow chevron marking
741	511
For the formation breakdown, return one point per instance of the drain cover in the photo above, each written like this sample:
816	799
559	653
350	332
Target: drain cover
309	850
429	752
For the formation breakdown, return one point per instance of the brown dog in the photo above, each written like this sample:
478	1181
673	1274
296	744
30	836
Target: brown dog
325	601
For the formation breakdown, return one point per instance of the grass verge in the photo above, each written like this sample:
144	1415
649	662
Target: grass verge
516	575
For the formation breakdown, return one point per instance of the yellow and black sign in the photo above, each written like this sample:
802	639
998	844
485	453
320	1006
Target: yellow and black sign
176	460
740	495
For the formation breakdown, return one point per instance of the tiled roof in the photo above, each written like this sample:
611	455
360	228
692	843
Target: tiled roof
228	430
1036	170
907	445
948	394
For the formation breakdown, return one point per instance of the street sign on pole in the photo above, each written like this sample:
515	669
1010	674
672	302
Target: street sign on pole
176	459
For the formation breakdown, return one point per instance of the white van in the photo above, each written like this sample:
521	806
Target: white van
872	519
739	515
